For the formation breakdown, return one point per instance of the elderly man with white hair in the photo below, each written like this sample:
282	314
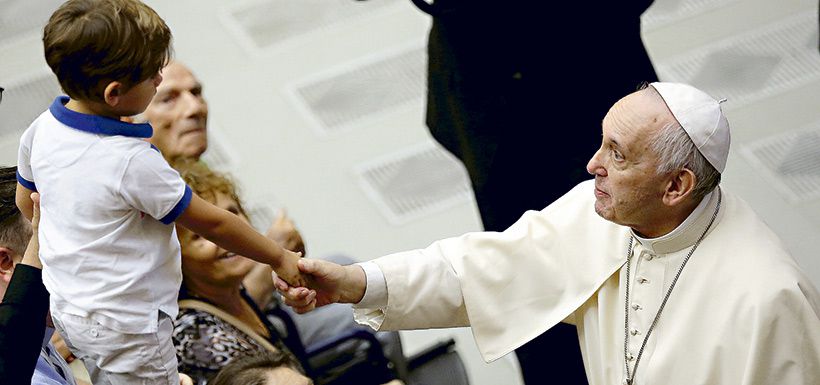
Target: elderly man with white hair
669	278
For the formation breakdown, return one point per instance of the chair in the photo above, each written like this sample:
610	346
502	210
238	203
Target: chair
438	364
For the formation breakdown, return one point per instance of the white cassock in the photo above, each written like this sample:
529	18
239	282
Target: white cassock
742	312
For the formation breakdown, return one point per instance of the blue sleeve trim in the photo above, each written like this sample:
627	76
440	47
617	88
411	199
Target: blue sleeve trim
179	208
26	183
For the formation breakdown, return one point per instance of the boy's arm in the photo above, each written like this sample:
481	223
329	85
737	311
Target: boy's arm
23	199
233	234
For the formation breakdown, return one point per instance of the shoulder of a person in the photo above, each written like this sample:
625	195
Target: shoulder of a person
45	119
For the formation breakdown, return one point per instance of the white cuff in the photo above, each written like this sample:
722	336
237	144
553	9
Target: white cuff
370	310
375	294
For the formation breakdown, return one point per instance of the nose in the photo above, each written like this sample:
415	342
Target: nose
594	166
195	105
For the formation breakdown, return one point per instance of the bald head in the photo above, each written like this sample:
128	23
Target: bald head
643	110
179	114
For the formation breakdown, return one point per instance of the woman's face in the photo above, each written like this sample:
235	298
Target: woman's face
206	262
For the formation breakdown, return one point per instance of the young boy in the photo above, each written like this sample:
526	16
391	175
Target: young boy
109	249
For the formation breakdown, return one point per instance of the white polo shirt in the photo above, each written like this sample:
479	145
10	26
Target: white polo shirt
108	201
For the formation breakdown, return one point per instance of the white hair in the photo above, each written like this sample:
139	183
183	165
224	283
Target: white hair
676	151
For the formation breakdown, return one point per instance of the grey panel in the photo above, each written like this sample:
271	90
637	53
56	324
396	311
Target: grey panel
791	161
415	182
269	22
344	99
22	17
752	66
25	101
666	12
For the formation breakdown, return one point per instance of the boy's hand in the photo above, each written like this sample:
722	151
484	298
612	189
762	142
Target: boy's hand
288	270
331	283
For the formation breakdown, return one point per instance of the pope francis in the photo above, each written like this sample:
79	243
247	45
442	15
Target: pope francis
669	278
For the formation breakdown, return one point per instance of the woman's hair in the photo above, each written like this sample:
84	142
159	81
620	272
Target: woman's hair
205	182
254	370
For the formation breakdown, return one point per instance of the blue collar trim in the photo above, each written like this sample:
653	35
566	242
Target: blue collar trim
97	124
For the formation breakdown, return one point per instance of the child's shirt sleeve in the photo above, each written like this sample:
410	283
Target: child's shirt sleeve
24	174
151	186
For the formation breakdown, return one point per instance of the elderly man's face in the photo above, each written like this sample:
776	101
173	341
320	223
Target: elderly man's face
628	190
179	114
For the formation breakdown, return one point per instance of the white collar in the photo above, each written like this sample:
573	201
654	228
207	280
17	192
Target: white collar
687	233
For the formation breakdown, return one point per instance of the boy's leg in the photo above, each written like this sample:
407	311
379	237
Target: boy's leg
115	358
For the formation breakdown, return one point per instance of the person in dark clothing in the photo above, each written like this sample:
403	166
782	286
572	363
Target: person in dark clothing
24	310
504	84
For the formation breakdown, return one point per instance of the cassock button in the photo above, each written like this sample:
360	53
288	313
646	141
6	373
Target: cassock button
642	280
635	306
649	257
634	332
630	357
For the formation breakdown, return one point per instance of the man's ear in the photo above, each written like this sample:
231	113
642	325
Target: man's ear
6	258
679	186
112	93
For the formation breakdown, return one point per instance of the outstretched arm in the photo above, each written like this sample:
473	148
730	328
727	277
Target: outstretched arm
23	316
258	282
332	283
232	233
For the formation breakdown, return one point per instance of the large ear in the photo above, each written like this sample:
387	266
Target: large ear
679	187
112	93
6	258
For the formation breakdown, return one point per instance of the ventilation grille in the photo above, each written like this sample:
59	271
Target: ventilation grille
415	182
359	92
19	18
791	160
25	101
666	12
266	23
752	66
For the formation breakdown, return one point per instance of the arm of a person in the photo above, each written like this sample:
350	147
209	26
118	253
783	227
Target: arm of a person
259	283
420	295
23	316
23	199
232	233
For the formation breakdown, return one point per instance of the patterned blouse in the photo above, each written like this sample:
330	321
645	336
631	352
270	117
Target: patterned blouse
205	343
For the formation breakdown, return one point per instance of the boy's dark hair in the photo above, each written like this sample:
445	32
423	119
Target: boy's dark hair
14	229
253	370
89	43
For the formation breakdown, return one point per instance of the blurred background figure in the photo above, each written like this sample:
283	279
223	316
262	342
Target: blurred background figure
523	85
